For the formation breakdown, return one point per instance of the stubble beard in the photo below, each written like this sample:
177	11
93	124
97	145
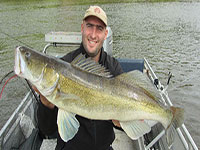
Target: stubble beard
95	52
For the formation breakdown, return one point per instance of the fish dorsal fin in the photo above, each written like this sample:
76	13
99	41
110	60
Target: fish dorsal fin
90	66
139	79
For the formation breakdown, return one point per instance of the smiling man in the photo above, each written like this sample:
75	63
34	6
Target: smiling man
94	31
92	134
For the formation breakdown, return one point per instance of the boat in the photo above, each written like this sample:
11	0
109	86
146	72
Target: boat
21	132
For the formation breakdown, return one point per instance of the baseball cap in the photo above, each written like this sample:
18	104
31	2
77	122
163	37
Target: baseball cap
97	12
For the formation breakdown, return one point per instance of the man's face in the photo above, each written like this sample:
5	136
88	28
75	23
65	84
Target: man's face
93	35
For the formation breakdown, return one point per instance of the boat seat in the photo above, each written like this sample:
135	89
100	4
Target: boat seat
131	64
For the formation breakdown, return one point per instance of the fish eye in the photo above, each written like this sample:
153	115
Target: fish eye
27	54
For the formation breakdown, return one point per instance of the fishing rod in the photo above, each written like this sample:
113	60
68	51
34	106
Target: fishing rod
15	38
33	91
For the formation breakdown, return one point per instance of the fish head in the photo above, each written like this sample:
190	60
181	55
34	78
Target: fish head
28	63
38	68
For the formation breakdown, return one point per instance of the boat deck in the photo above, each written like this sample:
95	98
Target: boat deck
122	141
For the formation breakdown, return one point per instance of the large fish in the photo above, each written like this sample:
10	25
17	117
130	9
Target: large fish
86	88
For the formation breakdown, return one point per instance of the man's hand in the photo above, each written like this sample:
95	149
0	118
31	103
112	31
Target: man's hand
43	99
116	123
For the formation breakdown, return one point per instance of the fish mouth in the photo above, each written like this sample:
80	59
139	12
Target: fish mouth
17	67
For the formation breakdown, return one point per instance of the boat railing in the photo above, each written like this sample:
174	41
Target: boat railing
183	133
13	127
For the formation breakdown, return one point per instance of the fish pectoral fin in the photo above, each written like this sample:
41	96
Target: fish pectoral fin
151	123
67	125
135	129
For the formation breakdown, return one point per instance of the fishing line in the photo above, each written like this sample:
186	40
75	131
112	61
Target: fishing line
15	39
6	83
6	76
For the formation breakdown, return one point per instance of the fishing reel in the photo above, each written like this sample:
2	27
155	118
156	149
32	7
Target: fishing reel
162	89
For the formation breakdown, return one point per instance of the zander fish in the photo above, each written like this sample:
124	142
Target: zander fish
86	88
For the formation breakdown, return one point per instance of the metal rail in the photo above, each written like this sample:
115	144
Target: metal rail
165	94
3	132
14	114
56	45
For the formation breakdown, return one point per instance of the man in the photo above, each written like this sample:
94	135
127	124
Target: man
92	134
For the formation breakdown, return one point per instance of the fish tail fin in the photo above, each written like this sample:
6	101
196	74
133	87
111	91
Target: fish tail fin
177	121
178	116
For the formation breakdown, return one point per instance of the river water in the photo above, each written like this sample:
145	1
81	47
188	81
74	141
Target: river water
167	34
